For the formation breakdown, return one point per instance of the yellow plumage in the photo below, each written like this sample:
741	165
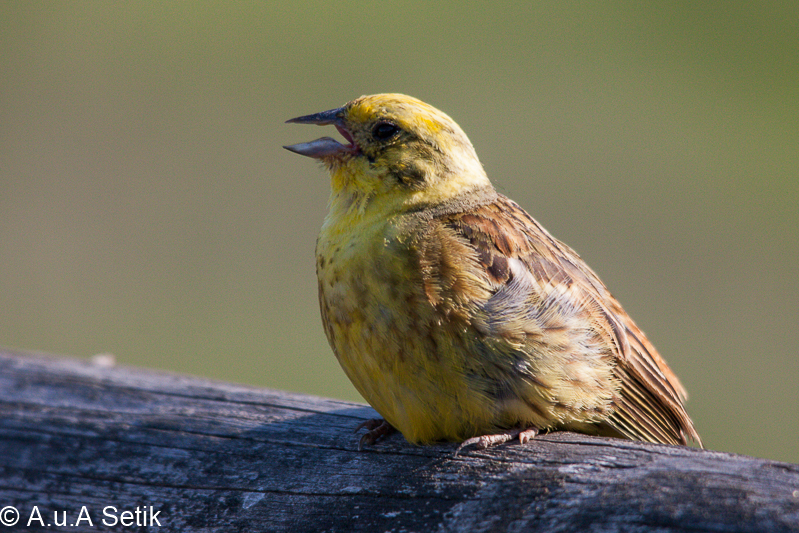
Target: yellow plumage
452	311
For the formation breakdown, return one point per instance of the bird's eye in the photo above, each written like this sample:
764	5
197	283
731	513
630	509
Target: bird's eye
383	131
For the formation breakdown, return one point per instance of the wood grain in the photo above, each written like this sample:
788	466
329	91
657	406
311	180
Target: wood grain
212	456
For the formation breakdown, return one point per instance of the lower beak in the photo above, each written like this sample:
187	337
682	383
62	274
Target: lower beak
318	149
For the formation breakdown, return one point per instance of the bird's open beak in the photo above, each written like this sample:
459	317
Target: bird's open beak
326	146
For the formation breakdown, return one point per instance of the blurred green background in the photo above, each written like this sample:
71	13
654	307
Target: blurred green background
148	210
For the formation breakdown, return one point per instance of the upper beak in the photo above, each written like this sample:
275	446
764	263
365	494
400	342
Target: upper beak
326	146
321	119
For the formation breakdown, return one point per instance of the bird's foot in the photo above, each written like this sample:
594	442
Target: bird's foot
377	428
484	441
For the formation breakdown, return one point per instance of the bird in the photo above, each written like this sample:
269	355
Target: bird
453	312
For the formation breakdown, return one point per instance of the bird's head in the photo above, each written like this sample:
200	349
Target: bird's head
400	151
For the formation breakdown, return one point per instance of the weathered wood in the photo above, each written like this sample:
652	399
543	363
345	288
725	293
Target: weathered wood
77	437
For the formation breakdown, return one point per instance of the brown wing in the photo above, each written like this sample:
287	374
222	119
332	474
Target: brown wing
649	403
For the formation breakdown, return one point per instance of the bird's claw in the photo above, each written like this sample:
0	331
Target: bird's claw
484	441
377	428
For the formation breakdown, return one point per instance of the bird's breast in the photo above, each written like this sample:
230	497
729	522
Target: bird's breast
368	293
386	334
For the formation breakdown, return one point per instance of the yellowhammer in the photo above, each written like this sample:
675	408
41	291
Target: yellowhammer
453	312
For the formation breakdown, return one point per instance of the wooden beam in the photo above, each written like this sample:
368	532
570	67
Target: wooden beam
90	442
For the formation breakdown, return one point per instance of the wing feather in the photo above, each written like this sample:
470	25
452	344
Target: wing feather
648	402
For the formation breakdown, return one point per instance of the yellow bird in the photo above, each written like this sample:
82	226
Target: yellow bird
453	312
